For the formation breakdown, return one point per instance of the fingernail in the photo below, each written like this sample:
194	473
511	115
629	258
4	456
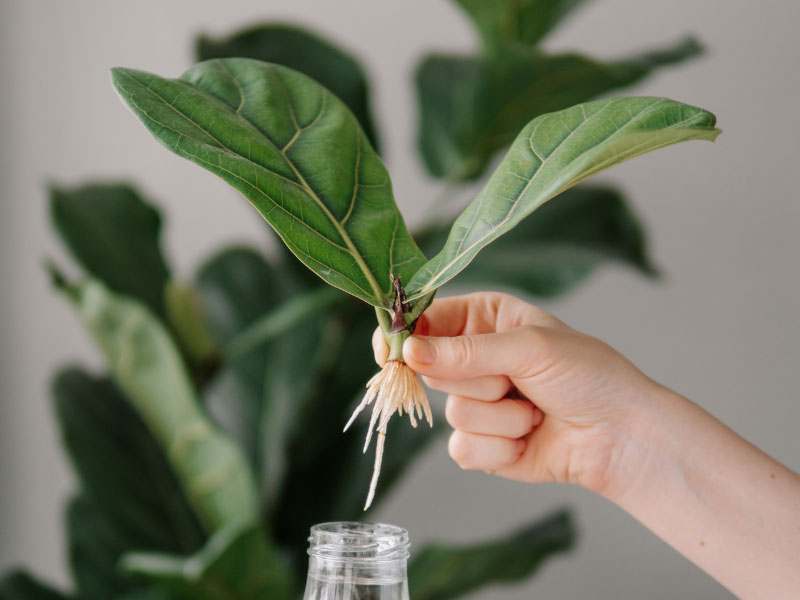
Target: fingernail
419	350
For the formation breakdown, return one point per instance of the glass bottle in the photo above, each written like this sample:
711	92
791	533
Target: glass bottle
357	561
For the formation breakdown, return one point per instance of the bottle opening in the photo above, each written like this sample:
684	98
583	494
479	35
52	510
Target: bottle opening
351	541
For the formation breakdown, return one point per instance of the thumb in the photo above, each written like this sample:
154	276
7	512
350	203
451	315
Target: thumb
515	352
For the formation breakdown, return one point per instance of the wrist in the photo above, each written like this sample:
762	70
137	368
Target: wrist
645	445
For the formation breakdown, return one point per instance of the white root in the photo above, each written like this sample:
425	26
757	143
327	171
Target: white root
394	389
376	470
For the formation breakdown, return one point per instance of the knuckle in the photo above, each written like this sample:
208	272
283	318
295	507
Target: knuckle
455	412
460	449
463	349
523	419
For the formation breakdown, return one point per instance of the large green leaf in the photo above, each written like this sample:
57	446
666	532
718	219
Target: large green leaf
121	466
302	51
94	547
147	593
296	153
114	234
237	286
471	107
440	572
525	22
19	585
557	246
264	373
551	154
146	365
131	499
237	563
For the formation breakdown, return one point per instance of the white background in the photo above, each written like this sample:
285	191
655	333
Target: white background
721	327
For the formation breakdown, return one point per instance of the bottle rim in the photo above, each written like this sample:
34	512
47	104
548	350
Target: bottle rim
348	541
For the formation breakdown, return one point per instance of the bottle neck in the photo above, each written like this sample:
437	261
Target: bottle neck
357	560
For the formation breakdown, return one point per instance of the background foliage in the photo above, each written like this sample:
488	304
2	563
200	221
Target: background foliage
250	357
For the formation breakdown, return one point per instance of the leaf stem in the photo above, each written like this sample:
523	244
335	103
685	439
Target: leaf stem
393	340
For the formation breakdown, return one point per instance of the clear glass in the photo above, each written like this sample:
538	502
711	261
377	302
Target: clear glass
357	561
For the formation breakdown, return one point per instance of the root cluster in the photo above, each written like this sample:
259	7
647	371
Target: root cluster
394	389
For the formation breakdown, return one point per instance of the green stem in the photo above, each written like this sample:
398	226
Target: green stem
394	340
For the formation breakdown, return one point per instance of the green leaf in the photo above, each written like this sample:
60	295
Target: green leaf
471	107
114	234
95	546
516	21
551	154
558	246
147	366
236	563
296	153
147	594
264	375
19	585
302	51
131	499
283	318
439	572
236	287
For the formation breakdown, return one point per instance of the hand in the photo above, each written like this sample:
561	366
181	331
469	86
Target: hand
533	400
530	399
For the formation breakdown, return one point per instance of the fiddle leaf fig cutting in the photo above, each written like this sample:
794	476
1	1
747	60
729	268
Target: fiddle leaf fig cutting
298	154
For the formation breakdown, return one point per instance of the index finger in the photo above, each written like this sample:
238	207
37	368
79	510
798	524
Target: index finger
479	313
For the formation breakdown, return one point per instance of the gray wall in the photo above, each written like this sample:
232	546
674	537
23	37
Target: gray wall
721	327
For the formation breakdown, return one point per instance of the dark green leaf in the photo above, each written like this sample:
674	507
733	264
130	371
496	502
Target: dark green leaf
18	585
114	234
95	546
302	51
296	153
551	154
148	594
472	107
558	245
516	21
257	388
439	572
237	563
285	317
146	365
237	286
132	500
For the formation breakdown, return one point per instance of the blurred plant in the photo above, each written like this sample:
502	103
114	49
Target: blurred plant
213	443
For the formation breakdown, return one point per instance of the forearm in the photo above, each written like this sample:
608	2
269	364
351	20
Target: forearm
721	502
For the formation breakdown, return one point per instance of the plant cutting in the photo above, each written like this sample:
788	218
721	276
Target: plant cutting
299	156
254	359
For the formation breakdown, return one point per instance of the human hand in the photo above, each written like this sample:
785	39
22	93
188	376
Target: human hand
534	400
530	399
